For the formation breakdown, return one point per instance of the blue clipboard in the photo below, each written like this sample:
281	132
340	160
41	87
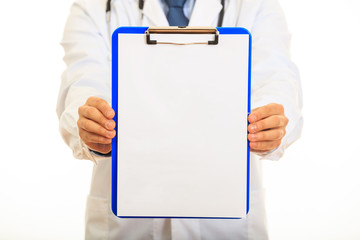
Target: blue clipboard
116	165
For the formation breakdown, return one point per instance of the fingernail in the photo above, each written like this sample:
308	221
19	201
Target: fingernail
108	124
108	134
253	128
253	118
252	137
109	113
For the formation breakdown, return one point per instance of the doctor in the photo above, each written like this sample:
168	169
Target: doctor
86	122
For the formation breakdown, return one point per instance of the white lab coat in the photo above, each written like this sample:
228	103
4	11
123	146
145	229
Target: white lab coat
88	59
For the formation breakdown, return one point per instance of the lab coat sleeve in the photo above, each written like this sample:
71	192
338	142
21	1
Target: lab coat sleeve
87	58
275	78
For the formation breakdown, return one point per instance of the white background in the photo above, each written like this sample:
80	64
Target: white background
312	193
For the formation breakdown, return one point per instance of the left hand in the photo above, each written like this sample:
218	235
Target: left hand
267	127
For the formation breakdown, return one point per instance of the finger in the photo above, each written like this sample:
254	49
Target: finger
101	148
269	135
102	106
94	114
265	145
93	127
275	121
88	137
265	111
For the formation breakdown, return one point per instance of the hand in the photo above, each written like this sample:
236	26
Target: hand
96	127
267	127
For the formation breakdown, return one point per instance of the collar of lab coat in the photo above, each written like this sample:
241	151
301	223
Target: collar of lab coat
204	12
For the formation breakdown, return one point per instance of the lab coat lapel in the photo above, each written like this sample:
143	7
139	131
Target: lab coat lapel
205	12
154	13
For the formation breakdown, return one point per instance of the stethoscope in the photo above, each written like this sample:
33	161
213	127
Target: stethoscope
141	7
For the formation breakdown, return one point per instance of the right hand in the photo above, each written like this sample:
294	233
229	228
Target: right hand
96	127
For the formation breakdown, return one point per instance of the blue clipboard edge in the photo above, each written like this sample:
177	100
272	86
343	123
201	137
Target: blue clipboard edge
114	167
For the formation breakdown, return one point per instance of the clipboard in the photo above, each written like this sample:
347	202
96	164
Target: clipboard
181	97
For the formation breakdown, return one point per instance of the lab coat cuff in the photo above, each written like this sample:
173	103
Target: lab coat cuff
92	155
273	155
270	155
100	154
